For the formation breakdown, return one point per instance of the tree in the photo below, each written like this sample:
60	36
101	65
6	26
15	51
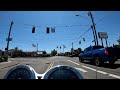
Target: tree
44	52
54	52
79	49
16	48
118	40
17	52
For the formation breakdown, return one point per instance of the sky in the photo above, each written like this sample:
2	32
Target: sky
69	29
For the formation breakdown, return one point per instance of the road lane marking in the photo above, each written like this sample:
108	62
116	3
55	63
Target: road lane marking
73	62
50	66
81	69
89	68
102	72
115	76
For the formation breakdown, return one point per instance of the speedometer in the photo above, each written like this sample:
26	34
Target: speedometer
21	72
62	72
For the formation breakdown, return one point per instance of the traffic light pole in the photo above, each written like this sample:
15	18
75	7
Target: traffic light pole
9	36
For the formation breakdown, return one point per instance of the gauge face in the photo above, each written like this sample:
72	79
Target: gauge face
63	74
19	73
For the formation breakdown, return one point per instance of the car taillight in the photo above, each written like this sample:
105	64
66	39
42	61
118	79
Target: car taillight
106	52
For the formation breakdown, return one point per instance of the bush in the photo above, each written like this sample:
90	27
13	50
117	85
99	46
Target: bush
3	58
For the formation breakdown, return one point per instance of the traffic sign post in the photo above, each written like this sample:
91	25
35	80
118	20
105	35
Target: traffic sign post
103	35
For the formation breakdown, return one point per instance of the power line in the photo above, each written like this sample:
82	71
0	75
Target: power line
103	18
81	36
95	24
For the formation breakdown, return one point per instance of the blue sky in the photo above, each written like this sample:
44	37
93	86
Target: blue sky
68	29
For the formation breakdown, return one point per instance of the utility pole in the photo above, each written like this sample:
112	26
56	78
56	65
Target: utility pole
72	48
37	50
94	29
63	48
93	34
8	39
37	47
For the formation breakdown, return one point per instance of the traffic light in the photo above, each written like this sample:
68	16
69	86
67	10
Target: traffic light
53	29
48	30
33	30
79	42
84	39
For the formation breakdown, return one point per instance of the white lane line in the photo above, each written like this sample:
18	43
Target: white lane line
95	70
115	76
78	68
89	68
81	70
102	72
73	62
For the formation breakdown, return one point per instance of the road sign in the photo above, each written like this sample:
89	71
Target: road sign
102	35
10	39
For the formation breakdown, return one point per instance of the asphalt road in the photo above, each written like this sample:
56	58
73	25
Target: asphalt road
40	65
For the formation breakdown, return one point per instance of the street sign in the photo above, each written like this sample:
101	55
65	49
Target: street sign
102	35
10	39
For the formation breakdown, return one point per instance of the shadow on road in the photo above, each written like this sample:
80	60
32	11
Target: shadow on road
114	66
106	65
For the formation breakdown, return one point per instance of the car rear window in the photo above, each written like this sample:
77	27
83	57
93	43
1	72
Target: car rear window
97	47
